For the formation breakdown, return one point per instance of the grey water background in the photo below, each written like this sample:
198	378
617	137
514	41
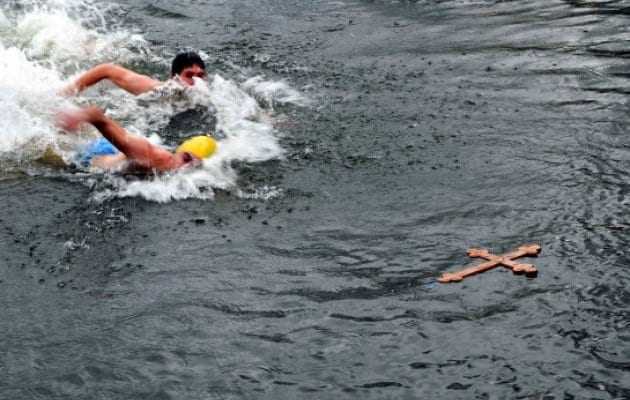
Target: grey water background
437	125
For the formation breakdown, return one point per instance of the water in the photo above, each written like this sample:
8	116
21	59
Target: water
430	127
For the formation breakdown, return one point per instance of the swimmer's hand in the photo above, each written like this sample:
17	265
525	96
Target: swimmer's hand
71	119
69	90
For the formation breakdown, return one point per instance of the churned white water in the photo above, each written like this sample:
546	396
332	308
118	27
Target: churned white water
45	44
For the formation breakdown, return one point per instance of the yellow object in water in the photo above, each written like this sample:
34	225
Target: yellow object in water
199	146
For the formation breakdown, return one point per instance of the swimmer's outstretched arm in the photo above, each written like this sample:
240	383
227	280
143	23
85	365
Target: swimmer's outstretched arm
136	148
128	80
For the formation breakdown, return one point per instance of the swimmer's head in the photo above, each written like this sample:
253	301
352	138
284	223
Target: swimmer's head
199	147
188	65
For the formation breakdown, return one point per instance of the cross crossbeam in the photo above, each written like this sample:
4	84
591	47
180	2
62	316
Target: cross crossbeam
506	260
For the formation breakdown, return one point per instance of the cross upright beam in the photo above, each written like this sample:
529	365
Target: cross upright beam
506	260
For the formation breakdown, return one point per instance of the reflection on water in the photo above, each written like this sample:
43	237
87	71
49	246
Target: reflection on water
440	126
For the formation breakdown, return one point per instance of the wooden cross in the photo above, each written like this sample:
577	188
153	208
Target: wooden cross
506	260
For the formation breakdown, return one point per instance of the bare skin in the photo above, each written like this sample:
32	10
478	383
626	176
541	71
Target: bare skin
137	153
128	80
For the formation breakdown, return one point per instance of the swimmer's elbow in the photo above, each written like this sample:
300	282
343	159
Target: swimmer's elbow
130	81
96	74
111	71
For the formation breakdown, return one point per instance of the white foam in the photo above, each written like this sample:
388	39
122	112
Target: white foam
4	22
52	35
248	136
273	93
261	193
26	104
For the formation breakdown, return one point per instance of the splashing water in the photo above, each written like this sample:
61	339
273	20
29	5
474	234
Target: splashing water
44	44
274	93
38	45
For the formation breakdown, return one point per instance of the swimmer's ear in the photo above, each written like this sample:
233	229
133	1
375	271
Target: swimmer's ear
189	160
187	157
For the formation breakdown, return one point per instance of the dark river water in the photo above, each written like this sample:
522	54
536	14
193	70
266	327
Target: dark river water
435	126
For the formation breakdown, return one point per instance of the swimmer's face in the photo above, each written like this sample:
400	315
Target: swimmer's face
188	73
186	160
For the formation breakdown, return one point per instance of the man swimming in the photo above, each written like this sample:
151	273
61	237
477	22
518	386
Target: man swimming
125	151
185	67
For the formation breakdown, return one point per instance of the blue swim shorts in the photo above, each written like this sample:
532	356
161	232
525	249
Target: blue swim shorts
99	147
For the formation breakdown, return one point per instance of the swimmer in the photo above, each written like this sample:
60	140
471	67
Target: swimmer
125	151
185	67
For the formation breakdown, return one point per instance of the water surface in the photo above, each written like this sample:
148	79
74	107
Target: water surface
434	127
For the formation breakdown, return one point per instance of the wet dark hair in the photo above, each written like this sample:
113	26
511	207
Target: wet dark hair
185	60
